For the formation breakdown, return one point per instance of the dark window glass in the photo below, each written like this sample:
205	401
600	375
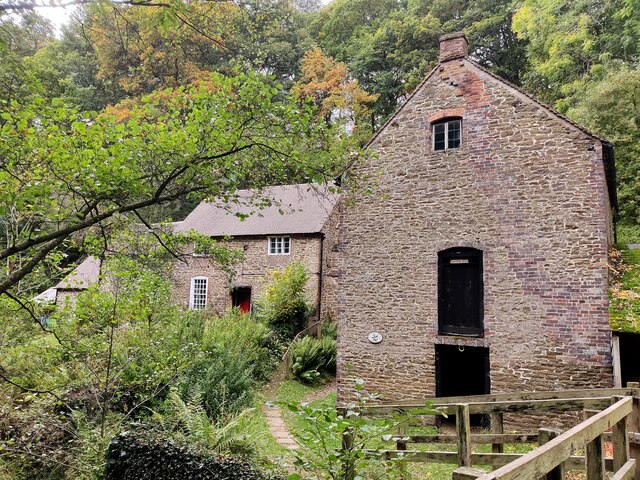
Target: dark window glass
447	134
439	140
454	134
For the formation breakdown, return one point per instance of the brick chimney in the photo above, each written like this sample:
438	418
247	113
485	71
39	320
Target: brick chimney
452	46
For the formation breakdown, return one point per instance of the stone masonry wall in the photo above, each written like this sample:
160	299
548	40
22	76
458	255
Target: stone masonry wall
305	249
330	272
528	189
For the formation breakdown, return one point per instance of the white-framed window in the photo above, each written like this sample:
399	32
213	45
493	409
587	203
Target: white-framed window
447	134
279	246
198	294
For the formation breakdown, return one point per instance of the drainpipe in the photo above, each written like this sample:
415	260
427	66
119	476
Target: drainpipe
320	280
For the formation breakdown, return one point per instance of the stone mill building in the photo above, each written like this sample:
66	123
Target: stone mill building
480	262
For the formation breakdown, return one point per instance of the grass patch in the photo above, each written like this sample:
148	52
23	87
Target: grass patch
292	391
624	308
628	234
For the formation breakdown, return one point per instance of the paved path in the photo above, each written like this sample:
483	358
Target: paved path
277	427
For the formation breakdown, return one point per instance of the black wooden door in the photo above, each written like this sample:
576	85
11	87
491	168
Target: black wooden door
460	292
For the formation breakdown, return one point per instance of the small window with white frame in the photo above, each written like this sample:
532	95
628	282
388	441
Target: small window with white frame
279	245
198	294
447	134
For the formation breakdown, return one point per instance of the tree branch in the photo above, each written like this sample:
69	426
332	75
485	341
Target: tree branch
31	313
28	390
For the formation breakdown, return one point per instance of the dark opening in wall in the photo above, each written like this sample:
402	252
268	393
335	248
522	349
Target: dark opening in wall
460	292
241	298
629	364
462	371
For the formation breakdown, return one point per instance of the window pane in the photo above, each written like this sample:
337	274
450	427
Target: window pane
285	248
439	136
199	293
454	134
272	245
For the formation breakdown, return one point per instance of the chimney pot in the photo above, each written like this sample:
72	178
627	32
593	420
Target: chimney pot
452	46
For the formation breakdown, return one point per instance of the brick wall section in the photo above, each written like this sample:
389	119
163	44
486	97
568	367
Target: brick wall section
526	188
305	249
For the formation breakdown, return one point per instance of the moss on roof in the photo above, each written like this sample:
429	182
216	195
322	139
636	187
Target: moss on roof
624	308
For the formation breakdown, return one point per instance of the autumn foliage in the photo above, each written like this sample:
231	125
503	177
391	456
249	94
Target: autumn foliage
329	85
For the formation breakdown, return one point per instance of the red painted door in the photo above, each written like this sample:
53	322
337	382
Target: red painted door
241	298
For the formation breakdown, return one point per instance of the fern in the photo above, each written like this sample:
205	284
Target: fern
230	434
312	357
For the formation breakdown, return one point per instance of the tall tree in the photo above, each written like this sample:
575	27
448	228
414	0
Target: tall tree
18	40
566	40
64	176
390	46
584	56
144	50
610	105
338	97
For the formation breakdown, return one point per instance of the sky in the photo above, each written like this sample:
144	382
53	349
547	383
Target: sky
58	16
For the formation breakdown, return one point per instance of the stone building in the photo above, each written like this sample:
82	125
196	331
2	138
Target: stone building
272	228
296	225
479	264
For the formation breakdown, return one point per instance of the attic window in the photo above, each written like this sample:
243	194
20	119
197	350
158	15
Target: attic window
447	134
279	245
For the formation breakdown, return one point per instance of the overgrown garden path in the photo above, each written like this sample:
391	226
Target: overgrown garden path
273	413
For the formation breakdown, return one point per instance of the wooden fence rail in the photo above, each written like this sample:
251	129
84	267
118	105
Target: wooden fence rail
617	410
551	455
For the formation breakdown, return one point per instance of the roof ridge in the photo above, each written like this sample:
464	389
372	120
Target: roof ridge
399	109
540	103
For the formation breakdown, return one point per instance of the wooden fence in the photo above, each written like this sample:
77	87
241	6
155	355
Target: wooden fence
616	409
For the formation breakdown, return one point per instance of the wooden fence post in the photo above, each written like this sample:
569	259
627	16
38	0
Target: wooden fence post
620	441
463	431
546	435
348	466
634	427
595	459
401	445
497	426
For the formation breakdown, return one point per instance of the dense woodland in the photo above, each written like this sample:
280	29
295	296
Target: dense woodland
349	65
355	58
133	113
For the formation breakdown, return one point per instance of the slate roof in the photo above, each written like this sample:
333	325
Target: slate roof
288	209
83	276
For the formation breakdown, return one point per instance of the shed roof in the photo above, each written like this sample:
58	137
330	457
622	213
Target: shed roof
285	209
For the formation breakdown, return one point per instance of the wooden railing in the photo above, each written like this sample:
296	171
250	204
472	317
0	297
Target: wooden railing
616	409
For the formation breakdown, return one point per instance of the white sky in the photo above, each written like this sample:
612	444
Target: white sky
58	16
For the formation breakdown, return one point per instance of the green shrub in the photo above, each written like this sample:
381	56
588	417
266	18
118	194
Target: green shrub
627	234
323	455
283	304
312	358
329	329
245	336
145	457
225	381
188	421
